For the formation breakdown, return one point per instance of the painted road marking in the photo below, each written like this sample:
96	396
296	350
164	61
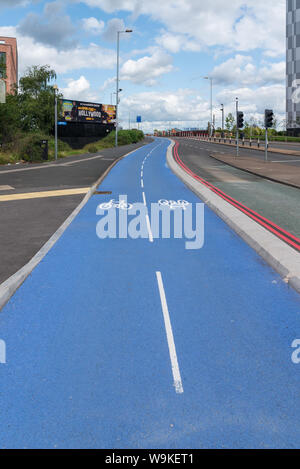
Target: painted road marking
150	234
80	161
286	161
40	195
44	166
6	188
151	239
144	199
170	337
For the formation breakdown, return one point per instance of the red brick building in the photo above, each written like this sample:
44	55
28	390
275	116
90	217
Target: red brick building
9	55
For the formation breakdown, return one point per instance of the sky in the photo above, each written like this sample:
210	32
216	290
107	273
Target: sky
163	62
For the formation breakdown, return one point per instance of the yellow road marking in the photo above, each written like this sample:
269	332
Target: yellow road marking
40	195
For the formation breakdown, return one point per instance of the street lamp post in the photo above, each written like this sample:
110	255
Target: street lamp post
55	87
223	124
211	102
237	127
117	88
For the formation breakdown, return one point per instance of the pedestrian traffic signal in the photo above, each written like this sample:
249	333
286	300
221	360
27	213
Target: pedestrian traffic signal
269	118
240	120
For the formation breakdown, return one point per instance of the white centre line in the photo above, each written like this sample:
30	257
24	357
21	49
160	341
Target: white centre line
150	234
151	239
170	338
144	199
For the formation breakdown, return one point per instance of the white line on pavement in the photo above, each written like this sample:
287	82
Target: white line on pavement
81	160
45	166
144	199
170	338
149	229
286	161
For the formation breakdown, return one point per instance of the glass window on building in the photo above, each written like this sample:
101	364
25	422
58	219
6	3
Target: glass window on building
2	63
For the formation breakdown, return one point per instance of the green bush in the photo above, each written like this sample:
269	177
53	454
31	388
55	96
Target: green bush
29	148
92	148
125	137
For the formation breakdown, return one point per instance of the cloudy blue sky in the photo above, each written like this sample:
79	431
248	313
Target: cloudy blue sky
241	44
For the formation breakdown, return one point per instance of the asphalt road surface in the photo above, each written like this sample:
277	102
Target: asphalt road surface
28	223
231	150
141	343
275	201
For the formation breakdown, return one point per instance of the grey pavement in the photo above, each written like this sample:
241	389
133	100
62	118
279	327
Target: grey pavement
26	225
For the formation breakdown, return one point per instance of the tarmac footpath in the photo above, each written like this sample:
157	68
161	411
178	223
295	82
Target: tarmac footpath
141	343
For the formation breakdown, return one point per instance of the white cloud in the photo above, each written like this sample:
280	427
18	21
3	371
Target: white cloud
113	25
110	82
176	42
185	108
79	90
80	57
93	26
179	105
242	70
148	69
237	24
15	3
45	28
254	101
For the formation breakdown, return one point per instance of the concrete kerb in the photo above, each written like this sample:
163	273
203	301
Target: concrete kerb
281	257
11	285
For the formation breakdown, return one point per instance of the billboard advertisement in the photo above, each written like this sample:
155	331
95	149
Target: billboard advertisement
83	112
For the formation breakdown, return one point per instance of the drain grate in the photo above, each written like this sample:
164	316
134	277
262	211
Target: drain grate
102	192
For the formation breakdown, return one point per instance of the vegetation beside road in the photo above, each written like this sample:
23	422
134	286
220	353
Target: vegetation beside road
27	118
26	147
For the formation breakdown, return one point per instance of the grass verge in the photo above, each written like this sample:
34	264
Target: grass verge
27	148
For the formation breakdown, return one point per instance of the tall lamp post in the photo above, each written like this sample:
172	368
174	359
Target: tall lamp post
118	79
222	110
55	87
211	102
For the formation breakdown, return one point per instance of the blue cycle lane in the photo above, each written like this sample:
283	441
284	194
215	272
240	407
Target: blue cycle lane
128	343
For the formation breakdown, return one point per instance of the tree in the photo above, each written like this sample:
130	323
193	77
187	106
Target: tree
30	108
9	118
229	122
36	99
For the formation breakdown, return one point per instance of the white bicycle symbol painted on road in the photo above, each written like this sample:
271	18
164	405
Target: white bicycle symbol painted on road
173	204
121	205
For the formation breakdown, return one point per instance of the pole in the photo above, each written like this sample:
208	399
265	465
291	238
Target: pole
237	129
117	95
56	146
223	123
211	106
266	146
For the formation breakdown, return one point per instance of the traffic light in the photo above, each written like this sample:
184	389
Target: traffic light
269	118
240	120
